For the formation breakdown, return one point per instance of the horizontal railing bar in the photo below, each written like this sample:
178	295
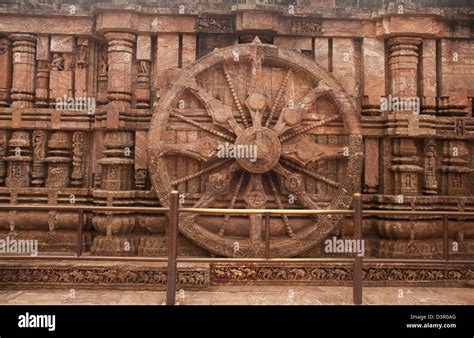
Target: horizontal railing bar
234	260
417	213
83	207
264	211
232	211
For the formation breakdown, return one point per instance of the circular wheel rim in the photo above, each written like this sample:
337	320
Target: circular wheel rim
280	247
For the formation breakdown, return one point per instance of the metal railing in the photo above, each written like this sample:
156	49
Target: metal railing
174	210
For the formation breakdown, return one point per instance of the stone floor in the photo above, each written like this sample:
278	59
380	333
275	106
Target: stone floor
245	295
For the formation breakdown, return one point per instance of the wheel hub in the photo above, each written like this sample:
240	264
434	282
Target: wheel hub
263	146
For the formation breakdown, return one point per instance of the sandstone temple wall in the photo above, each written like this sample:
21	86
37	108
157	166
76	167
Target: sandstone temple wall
124	55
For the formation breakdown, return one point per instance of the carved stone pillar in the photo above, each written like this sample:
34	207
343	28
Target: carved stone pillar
431	184
142	91
80	71
117	165
405	104
371	165
5	72
24	49
405	167
403	65
455	168
39	152
42	75
3	154
120	58
141	159
42	84
58	160
19	162
116	176
78	159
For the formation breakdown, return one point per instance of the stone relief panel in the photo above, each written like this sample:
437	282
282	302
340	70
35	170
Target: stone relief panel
114	85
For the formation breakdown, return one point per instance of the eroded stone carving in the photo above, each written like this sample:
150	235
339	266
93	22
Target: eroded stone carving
282	274
215	24
431	184
39	153
305	27
97	277
57	63
295	115
78	148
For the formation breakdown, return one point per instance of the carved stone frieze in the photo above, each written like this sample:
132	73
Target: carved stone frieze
305	27
215	24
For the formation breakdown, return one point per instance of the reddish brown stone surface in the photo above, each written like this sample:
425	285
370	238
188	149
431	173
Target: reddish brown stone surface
113	104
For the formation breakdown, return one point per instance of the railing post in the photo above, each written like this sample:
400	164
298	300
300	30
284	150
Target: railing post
172	248
445	238
80	233
267	235
357	279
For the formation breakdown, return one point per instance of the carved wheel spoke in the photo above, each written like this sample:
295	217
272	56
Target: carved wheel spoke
304	129
232	204
276	196
255	197
203	127
304	151
278	98
311	174
204	149
235	96
221	114
198	173
291	117
293	183
256	71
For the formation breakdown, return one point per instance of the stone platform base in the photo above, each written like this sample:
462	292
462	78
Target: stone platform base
93	274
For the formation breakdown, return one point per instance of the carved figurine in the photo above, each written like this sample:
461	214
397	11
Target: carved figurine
103	67
58	62
430	168
83	53
3	46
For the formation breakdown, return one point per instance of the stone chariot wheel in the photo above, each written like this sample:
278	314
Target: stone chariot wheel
255	126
